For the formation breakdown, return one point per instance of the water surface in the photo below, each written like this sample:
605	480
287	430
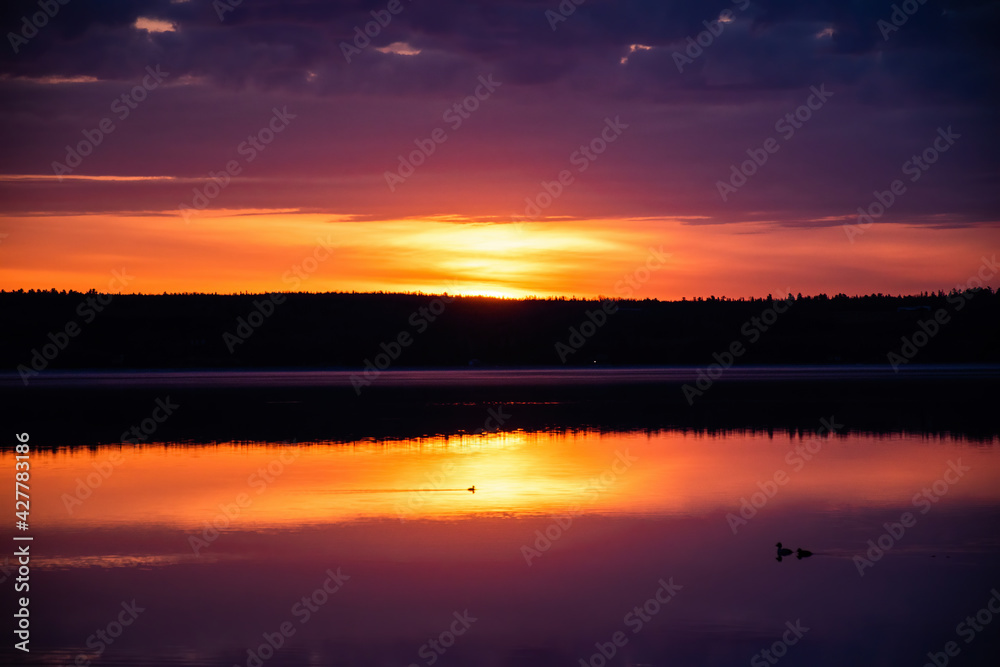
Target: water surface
567	533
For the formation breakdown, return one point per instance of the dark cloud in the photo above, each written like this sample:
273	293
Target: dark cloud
687	128
271	43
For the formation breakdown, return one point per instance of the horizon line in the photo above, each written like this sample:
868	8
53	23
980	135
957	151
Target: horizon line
694	299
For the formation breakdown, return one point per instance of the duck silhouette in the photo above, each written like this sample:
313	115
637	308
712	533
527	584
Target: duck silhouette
782	551
473	489
802	553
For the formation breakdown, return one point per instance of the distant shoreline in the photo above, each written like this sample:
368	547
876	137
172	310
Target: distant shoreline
48	331
497	376
94	408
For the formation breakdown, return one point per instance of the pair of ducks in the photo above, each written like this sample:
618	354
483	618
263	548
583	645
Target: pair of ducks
799	553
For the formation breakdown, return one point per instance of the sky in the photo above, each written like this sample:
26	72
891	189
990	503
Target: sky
501	147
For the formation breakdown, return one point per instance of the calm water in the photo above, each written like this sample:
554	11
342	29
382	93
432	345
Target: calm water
477	377
560	554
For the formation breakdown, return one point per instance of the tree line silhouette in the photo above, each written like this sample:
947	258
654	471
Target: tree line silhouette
344	330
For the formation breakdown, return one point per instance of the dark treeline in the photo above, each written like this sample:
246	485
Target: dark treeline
53	330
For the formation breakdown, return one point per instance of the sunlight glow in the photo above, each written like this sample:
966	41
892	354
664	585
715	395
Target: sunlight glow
632	49
399	48
247	250
154	25
54	80
84	177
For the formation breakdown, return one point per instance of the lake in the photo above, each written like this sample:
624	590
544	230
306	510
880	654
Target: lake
582	544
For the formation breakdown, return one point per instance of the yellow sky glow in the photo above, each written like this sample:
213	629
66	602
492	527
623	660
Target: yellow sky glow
259	251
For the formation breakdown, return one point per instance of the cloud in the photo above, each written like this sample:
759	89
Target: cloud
607	58
154	25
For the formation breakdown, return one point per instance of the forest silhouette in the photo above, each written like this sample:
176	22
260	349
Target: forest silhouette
344	330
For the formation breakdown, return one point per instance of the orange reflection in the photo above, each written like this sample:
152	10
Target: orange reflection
515	474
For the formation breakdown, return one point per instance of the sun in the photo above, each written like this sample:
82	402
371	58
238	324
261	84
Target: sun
488	291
